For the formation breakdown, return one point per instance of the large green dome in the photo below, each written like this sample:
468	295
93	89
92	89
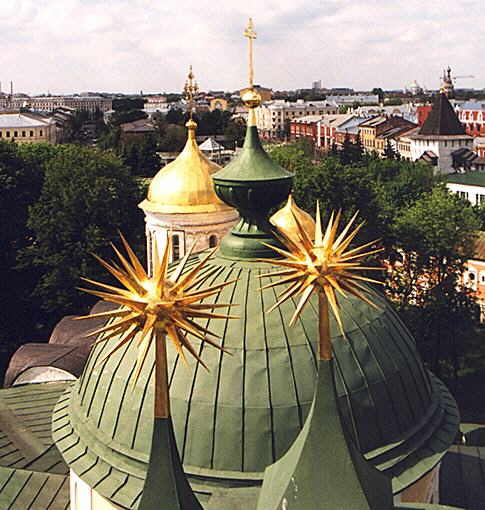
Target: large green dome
232	422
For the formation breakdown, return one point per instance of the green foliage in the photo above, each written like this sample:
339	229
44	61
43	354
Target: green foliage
141	157
427	233
235	132
87	196
21	178
124	116
173	138
126	104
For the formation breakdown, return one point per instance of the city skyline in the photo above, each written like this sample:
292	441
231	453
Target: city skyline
128	46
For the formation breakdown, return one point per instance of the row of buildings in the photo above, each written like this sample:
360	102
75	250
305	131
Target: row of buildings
434	134
86	103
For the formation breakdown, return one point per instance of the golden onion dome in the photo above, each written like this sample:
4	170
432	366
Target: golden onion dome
284	219
185	185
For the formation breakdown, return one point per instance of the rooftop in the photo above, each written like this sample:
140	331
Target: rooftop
468	178
21	120
442	120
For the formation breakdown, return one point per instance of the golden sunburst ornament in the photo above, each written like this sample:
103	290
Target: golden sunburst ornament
327	266
154	308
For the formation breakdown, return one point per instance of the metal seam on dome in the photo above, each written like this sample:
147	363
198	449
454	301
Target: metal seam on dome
391	361
90	369
350	345
268	372
219	366
290	358
113	375
411	366
141	402
194	377
244	354
350	342
125	389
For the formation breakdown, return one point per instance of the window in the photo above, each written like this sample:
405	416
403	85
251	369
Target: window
15	133
213	241
471	279
1	134
479	199
23	134
31	133
482	277
175	247
40	133
463	194
8	134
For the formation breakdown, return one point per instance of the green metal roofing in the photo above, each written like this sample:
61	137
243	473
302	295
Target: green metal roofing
232	422
29	490
25	427
469	178
32	472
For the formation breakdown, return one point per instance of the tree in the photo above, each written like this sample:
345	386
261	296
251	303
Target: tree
174	138
21	178
83	203
235	132
435	238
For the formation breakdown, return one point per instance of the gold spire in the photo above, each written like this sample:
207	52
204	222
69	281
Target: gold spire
185	185
249	95
190	90
284	219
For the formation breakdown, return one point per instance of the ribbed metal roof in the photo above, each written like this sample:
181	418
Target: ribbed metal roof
33	475
233	421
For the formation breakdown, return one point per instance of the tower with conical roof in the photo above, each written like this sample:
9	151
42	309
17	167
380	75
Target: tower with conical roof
442	138
231	423
181	202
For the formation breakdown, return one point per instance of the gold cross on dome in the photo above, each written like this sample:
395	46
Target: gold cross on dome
251	35
190	90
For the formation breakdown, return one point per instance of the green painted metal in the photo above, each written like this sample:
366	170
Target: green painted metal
165	484
21	489
252	183
323	469
232	422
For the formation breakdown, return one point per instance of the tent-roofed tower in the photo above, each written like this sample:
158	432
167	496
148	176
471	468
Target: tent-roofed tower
442	140
243	415
181	201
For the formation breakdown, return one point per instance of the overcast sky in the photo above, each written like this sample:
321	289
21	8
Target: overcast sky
66	46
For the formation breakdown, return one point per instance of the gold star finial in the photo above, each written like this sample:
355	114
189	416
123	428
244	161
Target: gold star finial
155	308
251	35
190	90
326	266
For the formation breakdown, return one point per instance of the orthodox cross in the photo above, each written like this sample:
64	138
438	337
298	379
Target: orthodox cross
251	35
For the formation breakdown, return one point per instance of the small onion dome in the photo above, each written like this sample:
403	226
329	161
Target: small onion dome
284	219
185	185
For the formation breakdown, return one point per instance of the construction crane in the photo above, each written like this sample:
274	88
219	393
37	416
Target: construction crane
463	77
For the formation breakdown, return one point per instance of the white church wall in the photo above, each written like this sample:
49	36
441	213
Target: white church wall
84	498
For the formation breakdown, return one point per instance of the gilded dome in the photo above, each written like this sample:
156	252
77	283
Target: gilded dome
284	219
185	185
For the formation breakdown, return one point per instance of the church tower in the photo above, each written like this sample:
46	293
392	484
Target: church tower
181	202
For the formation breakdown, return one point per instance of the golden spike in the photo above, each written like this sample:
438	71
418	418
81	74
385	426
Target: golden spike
156	308
325	266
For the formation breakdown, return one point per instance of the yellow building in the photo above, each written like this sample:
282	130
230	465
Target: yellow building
26	128
218	103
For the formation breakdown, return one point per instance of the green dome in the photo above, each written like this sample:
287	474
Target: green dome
232	422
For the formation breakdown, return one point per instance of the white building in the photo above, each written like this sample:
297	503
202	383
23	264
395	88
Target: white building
442	140
470	186
273	117
182	204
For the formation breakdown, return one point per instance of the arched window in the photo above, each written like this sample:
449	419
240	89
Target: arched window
213	241
175	247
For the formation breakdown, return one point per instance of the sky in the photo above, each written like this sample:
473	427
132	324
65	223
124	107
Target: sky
68	46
